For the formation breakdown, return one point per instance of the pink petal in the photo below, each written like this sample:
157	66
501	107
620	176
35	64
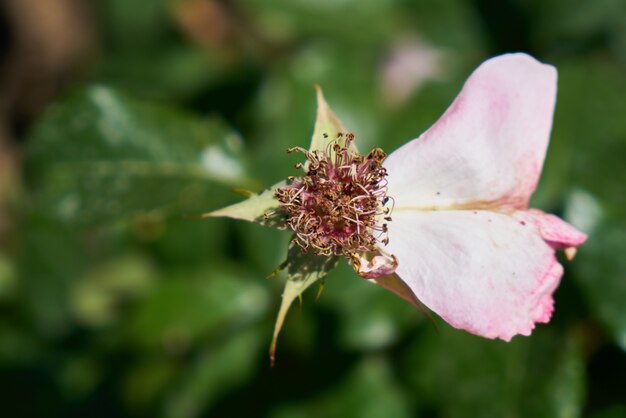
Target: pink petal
556	232
481	271
487	150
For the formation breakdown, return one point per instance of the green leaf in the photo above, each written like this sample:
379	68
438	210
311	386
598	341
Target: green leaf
596	166
369	318
52	257
97	296
369	391
195	304
8	279
597	175
613	411
80	375
102	155
370	20
147	378
197	336
187	386
303	269
215	371
182	241
600	271
142	51
468	376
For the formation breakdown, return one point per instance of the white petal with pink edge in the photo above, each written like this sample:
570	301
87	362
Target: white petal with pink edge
489	273
555	231
488	149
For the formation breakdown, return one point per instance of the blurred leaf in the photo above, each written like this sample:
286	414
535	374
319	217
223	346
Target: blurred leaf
51	259
97	297
575	25
370	317
590	118
179	72
303	269
192	305
590	130
8	279
283	20
369	391
264	258
434	18
600	270
101	155
615	411
80	375
214	372
468	376
18	345
135	25
147	379
145	51
286	107
185	242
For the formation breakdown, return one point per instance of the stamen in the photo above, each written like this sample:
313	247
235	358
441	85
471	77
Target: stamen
333	208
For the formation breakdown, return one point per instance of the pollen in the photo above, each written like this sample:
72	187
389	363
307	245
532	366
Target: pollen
339	206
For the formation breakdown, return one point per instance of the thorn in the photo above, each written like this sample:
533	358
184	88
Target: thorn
278	269
319	292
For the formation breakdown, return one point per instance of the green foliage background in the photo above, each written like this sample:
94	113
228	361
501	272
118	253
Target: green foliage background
114	304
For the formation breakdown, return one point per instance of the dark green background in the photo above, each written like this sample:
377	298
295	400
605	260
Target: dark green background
114	304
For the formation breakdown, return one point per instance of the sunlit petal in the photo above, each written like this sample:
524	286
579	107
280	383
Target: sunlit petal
488	149
481	271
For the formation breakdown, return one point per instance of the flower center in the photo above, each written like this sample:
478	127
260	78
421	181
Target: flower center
340	205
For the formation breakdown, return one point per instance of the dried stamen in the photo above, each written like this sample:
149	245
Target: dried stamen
340	204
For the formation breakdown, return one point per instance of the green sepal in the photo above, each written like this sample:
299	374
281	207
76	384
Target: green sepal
261	208
328	128
303	269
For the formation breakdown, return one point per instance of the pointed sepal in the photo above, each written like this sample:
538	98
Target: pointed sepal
261	208
328	128
303	269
